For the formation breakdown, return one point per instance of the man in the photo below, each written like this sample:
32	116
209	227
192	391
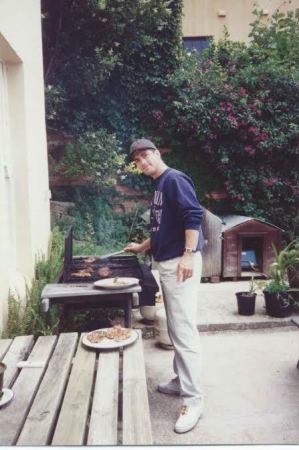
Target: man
175	242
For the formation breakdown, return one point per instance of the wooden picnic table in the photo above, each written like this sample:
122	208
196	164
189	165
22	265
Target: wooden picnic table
72	395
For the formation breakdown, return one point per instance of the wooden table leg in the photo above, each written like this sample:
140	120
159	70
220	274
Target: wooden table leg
128	313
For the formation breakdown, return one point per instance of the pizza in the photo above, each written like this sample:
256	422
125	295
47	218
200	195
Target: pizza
96	336
116	333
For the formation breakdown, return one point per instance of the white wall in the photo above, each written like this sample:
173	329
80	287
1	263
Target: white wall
24	187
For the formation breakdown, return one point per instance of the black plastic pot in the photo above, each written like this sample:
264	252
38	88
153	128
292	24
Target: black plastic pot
278	304
246	303
293	276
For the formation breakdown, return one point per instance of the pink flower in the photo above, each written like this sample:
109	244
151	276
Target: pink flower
232	120
243	92
253	130
269	182
157	115
261	137
250	150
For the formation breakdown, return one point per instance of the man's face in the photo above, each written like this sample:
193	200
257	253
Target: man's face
147	161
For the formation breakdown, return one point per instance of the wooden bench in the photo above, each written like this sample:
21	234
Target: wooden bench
72	396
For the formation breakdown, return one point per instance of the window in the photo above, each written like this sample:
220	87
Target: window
196	43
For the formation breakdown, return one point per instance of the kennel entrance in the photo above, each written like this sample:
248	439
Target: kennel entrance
251	249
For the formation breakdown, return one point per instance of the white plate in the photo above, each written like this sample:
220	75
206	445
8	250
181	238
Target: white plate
109	343
6	397
121	283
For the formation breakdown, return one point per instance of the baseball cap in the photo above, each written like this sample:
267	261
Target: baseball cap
142	144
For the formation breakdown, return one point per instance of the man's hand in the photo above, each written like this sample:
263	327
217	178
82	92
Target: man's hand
134	248
138	248
185	268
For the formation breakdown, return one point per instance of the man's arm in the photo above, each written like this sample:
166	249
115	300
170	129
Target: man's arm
138	248
186	265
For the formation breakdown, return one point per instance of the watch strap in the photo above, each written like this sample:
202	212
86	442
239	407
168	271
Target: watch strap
189	250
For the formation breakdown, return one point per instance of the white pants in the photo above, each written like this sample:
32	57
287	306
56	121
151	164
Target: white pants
180	301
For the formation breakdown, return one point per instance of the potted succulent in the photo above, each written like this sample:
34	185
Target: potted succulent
278	298
246	299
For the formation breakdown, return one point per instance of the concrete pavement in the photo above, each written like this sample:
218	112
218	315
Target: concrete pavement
217	309
249	376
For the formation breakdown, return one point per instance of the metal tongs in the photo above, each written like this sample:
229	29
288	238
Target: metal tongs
112	254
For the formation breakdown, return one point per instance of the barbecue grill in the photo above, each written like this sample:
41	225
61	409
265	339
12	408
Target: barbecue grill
75	284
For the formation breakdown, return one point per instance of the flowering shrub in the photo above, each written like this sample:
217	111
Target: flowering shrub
238	105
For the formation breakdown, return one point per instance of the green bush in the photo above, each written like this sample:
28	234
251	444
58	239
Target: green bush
237	108
231	115
28	319
106	62
95	154
97	228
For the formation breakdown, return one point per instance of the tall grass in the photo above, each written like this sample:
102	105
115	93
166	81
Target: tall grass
25	317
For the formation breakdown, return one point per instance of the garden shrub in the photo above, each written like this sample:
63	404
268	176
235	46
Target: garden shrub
27	318
238	106
97	228
95	154
106	62
230	116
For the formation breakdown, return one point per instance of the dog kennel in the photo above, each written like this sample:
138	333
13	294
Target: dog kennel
247	246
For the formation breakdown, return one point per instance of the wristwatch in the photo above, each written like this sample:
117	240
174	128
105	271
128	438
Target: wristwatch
189	250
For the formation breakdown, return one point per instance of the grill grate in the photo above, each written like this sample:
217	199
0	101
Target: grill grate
92	269
87	269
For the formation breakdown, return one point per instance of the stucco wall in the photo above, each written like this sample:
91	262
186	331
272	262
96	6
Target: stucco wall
24	187
201	16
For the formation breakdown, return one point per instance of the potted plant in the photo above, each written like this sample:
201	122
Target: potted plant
246	299
278	299
292	261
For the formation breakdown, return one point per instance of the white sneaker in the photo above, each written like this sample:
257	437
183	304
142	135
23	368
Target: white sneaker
189	416
170	388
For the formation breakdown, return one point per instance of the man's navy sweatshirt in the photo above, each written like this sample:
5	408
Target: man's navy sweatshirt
174	209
